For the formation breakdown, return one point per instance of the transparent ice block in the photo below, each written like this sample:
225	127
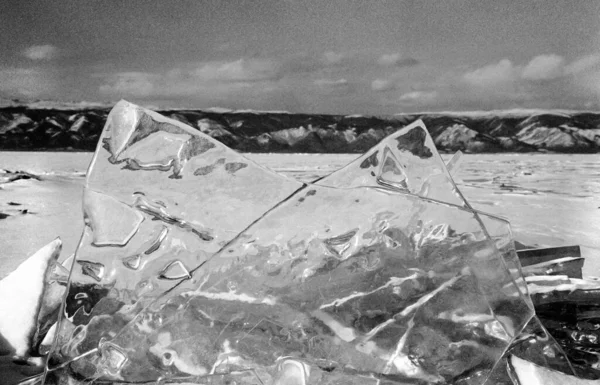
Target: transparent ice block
199	266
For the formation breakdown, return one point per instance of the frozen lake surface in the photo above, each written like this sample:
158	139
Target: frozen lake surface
550	199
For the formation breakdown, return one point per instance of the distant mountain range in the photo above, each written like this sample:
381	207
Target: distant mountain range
41	127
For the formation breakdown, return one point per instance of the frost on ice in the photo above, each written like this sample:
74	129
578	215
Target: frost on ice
198	265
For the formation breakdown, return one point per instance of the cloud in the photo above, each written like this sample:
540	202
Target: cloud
496	74
584	73
41	52
306	82
334	86
310	62
544	67
540	68
140	84
214	77
583	64
493	85
396	60
304	63
333	58
244	83
329	83
420	98
545	81
381	85
26	82
300	64
242	70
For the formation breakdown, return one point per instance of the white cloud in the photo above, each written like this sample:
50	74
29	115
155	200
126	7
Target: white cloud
496	74
305	62
300	63
421	98
583	64
395	59
315	85
591	83
138	84
546	80
41	52
584	73
242	70
389	59
214	79
26	82
333	58
333	86
540	68
544	67
382	85
328	83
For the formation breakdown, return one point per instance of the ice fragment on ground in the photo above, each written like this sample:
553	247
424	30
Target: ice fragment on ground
22	299
531	374
206	267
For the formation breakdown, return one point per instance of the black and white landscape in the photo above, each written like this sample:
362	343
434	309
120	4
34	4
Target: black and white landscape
234	95
56	128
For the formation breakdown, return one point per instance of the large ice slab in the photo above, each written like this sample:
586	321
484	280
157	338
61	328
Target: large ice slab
198	265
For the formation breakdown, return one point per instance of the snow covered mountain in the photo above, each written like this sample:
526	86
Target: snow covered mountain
36	127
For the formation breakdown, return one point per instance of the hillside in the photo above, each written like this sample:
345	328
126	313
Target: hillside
37	128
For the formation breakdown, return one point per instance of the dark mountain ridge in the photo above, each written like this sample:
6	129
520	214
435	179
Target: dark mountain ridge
42	129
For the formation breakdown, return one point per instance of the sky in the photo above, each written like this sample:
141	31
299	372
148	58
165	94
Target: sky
311	56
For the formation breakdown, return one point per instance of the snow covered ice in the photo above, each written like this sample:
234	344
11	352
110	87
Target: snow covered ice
198	265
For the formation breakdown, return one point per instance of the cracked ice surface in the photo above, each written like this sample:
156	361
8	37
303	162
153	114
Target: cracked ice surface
197	265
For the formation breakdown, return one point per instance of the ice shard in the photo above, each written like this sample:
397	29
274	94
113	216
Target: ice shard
160	198
28	298
197	265
405	161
